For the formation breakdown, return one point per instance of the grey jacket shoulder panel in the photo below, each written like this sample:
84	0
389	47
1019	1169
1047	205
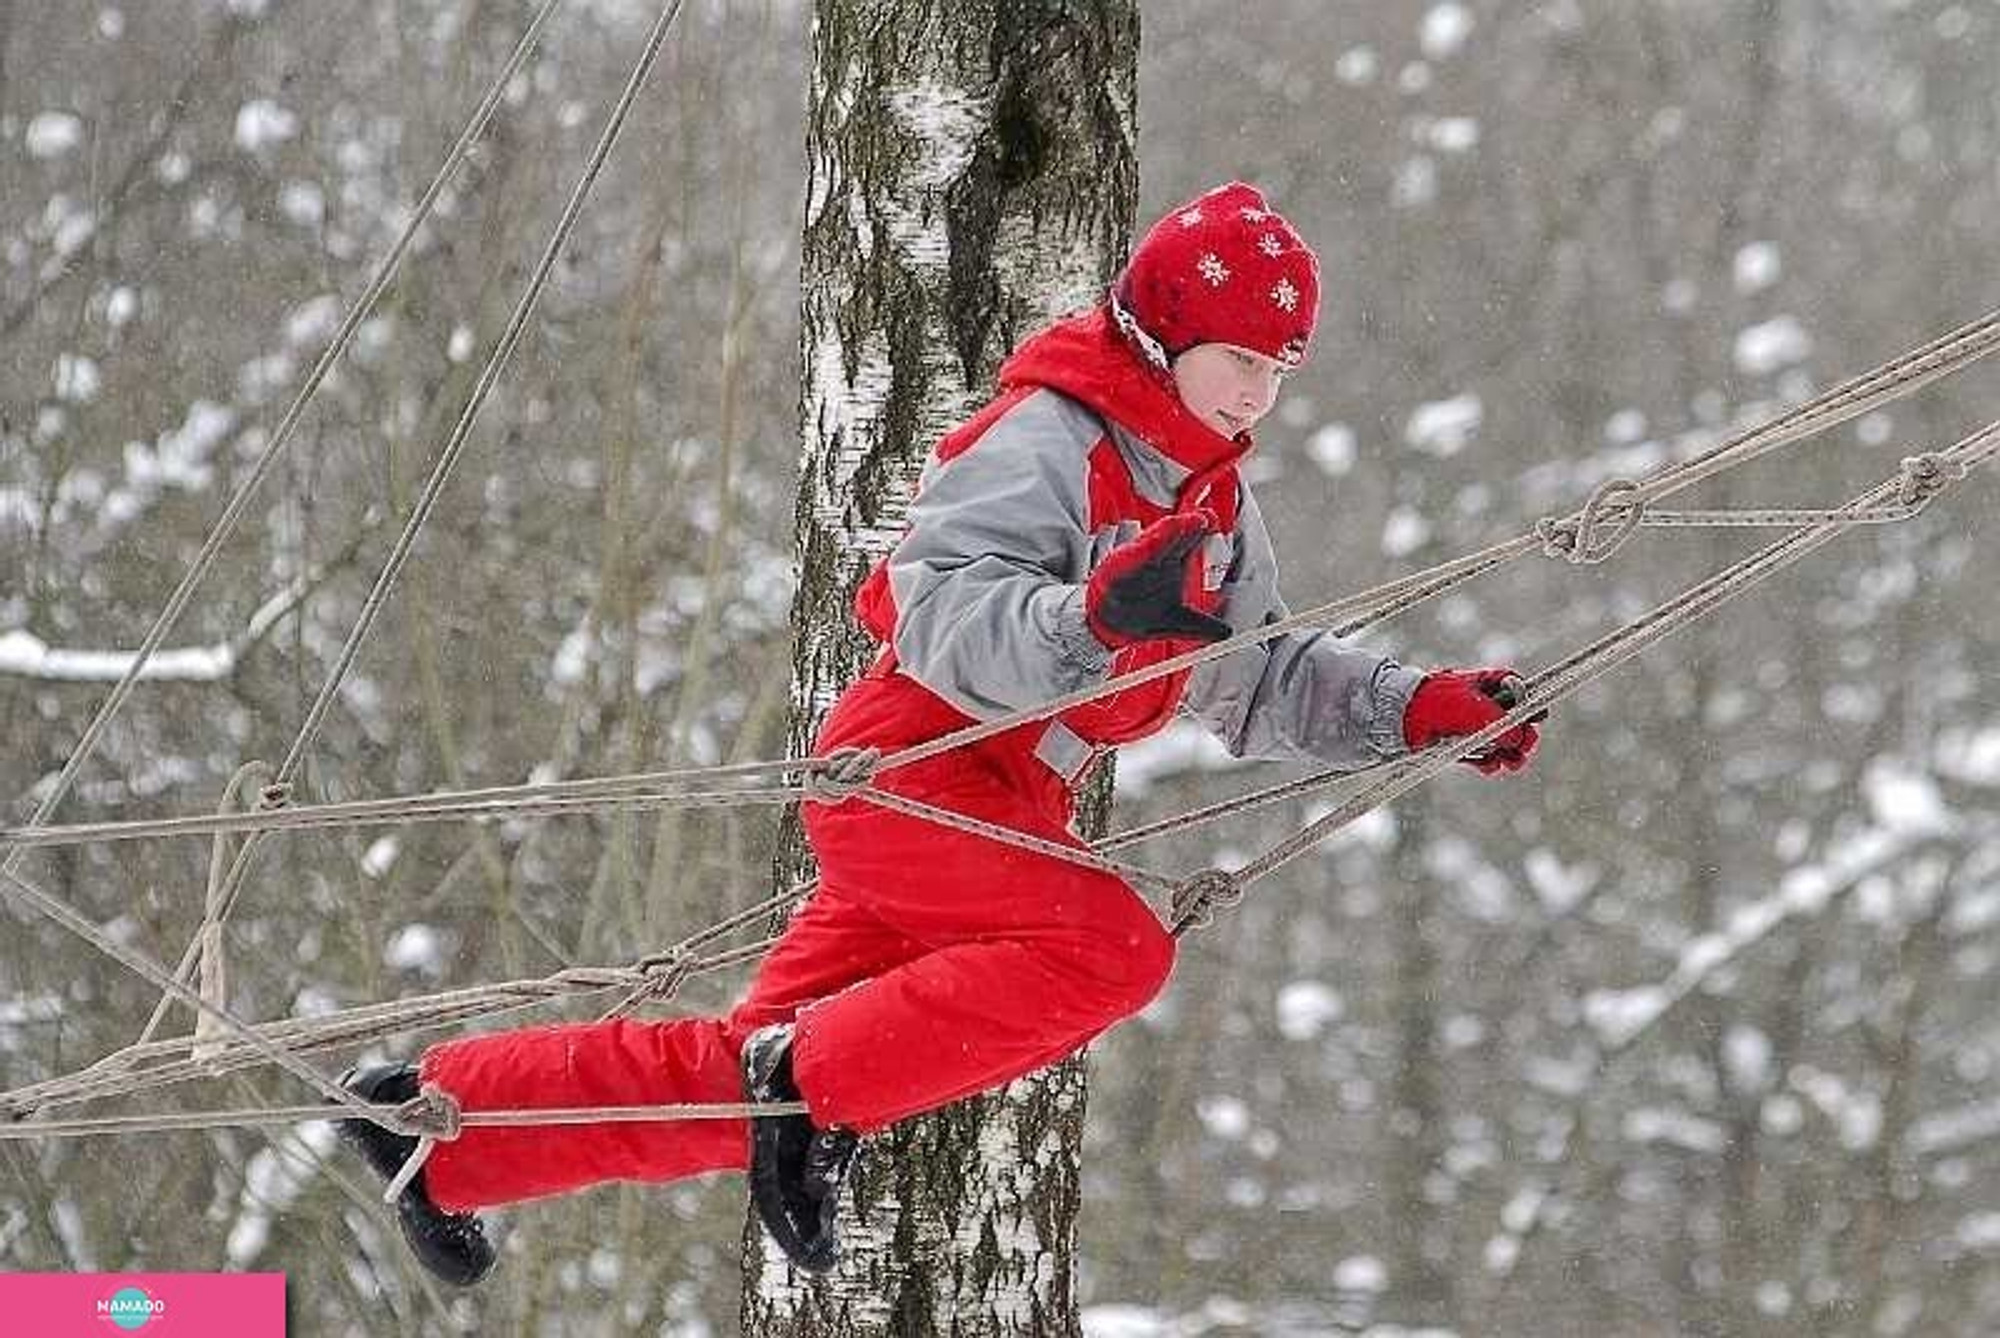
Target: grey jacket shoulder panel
1301	696
986	580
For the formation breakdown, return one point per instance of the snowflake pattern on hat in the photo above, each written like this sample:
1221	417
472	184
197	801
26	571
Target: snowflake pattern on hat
1222	268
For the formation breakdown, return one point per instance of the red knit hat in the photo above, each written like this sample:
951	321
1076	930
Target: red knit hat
1221	269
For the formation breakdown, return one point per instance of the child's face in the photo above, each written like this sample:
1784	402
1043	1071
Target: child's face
1227	387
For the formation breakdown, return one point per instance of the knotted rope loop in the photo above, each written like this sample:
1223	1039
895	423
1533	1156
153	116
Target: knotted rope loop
1607	520
663	975
841	774
1925	476
253	776
1196	900
431	1113
667	971
433	1116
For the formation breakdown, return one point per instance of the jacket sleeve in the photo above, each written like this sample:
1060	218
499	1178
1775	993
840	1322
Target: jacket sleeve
1301	696
989	605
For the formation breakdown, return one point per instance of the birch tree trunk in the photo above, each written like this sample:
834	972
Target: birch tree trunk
971	176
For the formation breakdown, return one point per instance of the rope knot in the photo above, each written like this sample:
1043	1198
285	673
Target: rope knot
433	1117
665	973
1197	899
432	1113
841	774
661	976
1600	529
1927	475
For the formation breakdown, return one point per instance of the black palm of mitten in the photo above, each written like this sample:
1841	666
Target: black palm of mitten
1139	591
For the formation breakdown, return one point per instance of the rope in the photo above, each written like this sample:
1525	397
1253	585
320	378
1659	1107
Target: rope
489	375
1563	679
126	1072
154	974
349	1028
394	1118
447	461
1579	539
550	798
1230	807
1619	503
123	1073
1083	856
281	438
664	977
822	783
214	972
1614	511
11	879
841	774
1196	898
434	1116
1619	506
1848	400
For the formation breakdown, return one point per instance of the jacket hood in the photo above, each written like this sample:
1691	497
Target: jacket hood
1087	359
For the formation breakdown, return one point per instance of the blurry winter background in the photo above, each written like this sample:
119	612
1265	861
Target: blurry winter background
1685	1032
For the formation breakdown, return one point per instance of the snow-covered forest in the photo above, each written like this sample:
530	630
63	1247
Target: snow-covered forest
1685	1031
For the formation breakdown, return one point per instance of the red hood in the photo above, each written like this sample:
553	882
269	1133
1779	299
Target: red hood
1087	359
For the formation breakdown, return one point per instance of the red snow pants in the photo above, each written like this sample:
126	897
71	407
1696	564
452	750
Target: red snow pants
929	965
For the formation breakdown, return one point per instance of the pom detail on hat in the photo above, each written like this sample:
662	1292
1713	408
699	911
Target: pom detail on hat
1221	269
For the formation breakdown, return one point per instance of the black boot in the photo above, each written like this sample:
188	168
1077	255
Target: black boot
451	1246
796	1171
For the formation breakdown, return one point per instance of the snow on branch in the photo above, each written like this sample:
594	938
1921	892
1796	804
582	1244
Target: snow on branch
1956	1130
1621	1017
25	655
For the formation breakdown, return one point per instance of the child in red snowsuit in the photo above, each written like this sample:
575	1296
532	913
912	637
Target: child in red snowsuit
1089	521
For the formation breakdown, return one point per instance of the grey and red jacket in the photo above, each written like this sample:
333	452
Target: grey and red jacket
982	601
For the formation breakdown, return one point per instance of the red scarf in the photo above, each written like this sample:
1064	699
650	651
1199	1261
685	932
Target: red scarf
1087	359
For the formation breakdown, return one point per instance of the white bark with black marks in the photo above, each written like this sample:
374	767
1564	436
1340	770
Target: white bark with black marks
970	178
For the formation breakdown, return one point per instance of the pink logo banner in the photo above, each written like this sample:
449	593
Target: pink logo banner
157	1305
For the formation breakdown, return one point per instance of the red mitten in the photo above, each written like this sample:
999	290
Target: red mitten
1452	703
1139	591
